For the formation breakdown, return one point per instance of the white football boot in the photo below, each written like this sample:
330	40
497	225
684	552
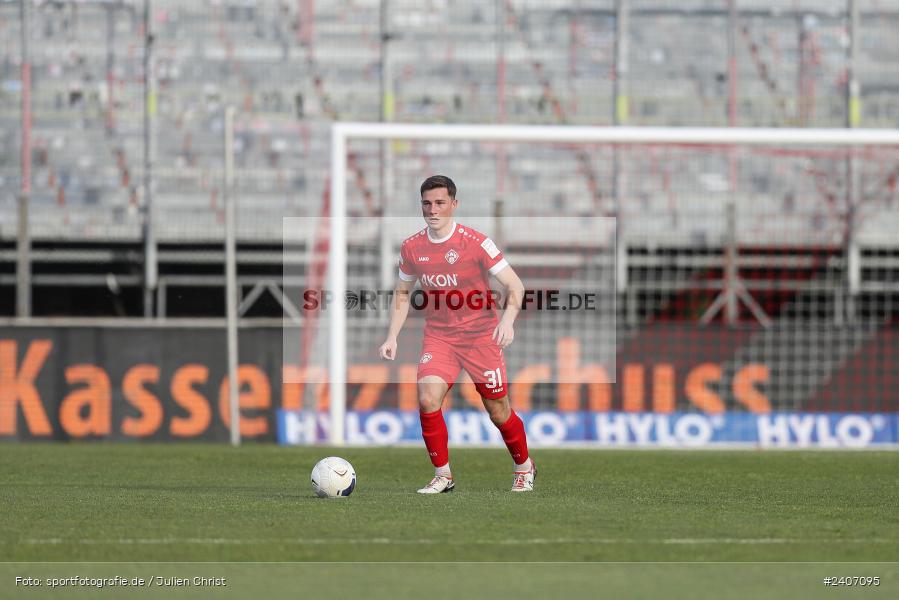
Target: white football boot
439	485
523	481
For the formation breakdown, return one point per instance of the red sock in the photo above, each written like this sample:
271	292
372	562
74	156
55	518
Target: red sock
515	438
433	430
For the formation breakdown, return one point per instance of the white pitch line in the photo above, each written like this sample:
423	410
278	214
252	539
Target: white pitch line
443	542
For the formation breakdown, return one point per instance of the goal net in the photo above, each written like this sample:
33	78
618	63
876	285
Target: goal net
732	269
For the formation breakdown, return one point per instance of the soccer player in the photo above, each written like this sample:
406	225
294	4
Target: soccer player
453	264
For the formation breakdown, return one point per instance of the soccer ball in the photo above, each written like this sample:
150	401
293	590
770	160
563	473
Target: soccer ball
333	477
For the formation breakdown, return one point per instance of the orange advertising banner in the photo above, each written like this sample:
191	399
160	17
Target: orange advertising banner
61	383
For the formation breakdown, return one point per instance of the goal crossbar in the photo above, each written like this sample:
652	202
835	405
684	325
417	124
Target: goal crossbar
622	135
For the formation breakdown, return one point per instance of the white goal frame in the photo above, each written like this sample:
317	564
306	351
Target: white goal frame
342	132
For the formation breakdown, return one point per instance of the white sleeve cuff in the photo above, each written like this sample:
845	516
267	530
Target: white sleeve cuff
405	277
499	267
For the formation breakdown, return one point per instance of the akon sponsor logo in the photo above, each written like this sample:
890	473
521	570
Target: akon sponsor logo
440	280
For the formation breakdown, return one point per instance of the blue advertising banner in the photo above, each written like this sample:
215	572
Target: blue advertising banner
614	429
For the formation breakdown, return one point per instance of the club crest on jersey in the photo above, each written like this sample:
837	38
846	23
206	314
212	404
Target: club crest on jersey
425	357
451	257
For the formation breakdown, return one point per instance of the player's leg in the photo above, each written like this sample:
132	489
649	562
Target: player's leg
487	368
437	370
511	428
431	391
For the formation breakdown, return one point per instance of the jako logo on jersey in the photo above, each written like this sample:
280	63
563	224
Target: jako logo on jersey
424	258
440	280
451	257
425	357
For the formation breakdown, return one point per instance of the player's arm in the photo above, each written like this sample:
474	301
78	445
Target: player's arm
399	310
504	332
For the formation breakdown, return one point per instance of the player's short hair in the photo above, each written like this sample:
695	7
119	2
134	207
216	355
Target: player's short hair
435	182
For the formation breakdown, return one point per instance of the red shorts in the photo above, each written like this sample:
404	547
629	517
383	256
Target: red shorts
481	358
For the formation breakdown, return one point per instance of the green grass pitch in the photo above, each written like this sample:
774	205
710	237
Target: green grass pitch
193	502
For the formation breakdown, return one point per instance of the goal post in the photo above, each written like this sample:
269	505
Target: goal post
721	141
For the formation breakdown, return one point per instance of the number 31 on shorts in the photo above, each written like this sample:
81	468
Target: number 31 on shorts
494	378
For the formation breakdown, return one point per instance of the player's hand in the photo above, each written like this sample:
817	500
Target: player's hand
503	334
388	349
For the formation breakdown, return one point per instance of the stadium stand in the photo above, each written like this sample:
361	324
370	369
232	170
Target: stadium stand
294	67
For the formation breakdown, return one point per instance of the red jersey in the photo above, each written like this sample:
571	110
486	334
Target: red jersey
454	273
